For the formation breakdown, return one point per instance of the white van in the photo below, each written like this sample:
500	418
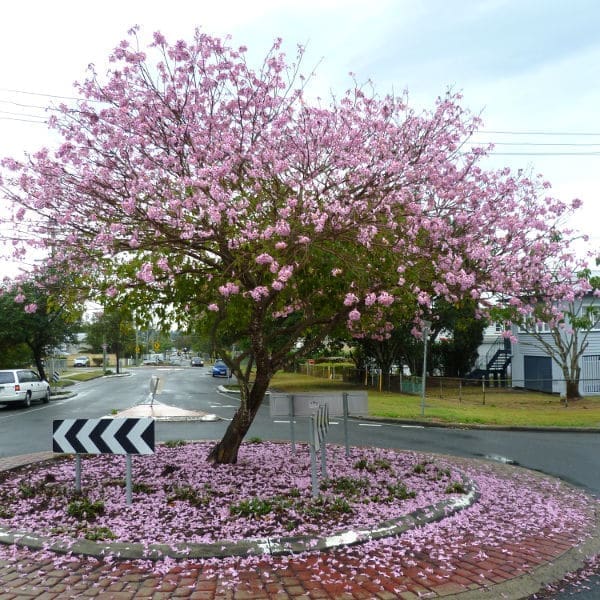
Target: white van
22	386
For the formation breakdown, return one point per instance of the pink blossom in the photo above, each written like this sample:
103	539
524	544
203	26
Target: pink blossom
354	315
385	299
228	289
213	307
145	273
264	259
350	299
163	264
31	308
370	299
259	292
285	273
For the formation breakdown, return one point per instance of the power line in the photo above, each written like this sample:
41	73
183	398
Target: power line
39	94
36	106
545	153
39	122
18	114
571	133
574	144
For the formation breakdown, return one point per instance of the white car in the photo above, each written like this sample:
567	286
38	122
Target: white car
22	386
81	361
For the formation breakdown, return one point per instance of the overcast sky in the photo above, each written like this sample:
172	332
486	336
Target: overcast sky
531	67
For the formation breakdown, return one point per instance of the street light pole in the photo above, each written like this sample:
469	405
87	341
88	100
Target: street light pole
426	327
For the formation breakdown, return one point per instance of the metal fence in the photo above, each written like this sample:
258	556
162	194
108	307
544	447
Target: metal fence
450	388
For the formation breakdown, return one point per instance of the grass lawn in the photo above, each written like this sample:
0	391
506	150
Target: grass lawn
82	375
501	407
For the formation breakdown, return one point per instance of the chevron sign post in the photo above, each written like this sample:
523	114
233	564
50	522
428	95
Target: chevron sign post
319	425
104	436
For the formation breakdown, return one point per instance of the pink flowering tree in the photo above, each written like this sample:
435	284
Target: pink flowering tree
193	185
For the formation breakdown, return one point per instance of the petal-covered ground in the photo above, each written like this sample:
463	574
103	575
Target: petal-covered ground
178	497
522	520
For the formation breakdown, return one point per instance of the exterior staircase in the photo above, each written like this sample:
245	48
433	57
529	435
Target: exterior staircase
496	363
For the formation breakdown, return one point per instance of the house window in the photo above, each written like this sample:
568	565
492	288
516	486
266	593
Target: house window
539	328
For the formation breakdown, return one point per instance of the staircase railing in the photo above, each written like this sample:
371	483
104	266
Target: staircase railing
501	347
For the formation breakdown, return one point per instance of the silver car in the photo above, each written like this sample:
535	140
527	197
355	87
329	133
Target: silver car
22	386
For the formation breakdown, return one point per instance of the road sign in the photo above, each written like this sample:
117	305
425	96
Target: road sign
55	376
156	346
104	436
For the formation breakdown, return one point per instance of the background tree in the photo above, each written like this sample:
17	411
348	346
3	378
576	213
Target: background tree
561	328
206	190
34	317
114	328
457	333
15	355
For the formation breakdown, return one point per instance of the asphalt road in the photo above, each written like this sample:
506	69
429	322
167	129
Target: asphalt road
572	457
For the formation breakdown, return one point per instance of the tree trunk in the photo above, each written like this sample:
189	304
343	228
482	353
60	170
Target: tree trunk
573	390
226	451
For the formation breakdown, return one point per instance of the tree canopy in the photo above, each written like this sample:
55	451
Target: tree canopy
223	193
35	318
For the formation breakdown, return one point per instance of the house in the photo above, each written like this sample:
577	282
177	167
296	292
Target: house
534	369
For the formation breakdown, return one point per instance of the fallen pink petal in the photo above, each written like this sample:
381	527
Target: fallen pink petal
519	522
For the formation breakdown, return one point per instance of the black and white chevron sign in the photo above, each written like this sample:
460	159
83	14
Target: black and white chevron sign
104	436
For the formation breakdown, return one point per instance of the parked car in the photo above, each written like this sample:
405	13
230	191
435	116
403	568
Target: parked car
149	362
196	362
81	361
22	386
219	369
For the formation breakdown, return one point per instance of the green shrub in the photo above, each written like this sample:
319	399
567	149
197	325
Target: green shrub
192	496
456	488
5	513
175	443
85	509
255	507
348	486
399	491
27	491
100	533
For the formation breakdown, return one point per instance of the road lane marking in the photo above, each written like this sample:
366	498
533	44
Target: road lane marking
369	425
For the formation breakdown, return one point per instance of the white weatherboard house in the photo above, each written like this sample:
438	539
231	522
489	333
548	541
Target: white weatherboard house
534	369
